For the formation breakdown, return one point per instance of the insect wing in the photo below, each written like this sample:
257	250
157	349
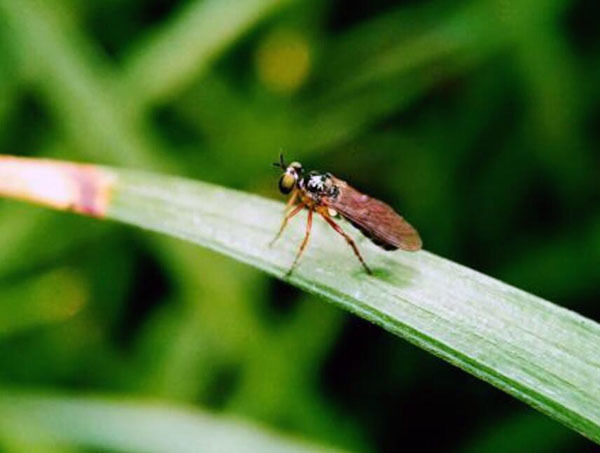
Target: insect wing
374	218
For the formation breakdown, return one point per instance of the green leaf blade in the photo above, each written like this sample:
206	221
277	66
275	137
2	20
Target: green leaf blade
542	354
121	425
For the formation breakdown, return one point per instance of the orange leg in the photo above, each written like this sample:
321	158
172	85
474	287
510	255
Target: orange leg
286	219
291	200
325	214
304	242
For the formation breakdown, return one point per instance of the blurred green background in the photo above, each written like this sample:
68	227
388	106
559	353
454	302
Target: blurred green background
478	120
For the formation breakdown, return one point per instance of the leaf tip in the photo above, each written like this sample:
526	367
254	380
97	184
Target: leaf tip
84	189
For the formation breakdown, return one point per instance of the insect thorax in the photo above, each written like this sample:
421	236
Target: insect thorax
318	185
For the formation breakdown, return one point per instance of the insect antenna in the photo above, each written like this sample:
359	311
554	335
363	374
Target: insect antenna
281	164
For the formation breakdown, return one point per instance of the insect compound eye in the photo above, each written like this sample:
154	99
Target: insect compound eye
286	183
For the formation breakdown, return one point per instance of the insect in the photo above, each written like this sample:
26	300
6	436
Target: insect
329	196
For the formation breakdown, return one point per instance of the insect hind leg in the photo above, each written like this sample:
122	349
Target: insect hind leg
325	214
304	242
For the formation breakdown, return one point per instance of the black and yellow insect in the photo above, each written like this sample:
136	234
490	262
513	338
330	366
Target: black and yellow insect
328	196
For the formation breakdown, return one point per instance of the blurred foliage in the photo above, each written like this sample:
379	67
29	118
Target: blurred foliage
477	119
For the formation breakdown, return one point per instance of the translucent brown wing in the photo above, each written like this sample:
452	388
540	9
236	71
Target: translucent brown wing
375	219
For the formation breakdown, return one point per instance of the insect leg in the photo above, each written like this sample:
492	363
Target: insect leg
291	200
304	242
325	214
286	219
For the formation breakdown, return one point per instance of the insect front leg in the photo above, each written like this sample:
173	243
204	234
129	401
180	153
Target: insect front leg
304	242
285	221
325	214
291	201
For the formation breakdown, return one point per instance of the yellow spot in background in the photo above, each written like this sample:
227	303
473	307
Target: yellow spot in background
283	61
61	294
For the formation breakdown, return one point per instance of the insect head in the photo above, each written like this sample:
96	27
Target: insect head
292	173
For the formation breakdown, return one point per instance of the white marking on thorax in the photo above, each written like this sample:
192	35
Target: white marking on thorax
317	181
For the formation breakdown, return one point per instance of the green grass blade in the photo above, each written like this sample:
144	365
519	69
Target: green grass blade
175	56
118	425
538	352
